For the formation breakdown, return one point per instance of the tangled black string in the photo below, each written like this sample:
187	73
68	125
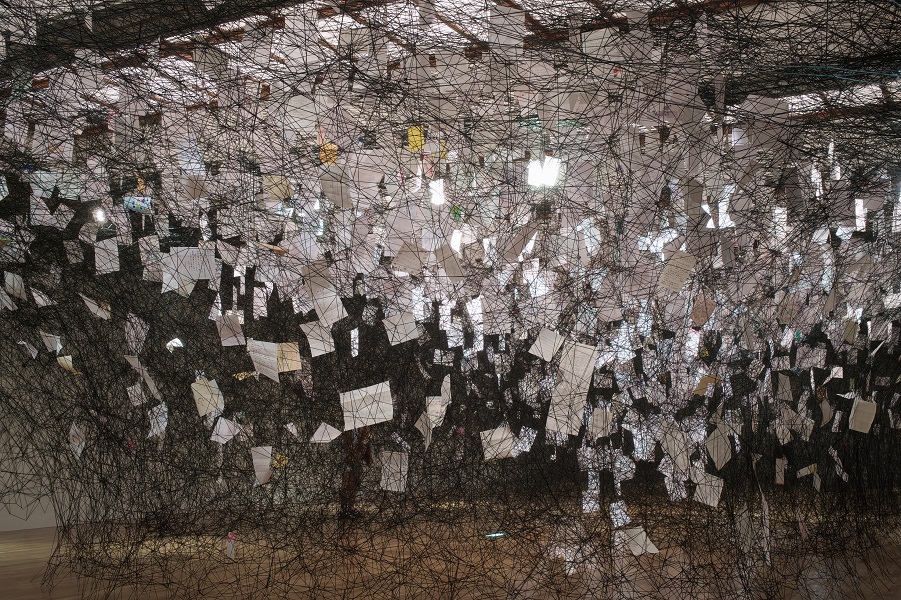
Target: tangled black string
619	282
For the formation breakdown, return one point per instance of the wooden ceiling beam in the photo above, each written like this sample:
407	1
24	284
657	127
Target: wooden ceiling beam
683	9
537	27
120	27
473	40
841	113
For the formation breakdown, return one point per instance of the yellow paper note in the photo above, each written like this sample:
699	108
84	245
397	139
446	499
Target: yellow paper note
328	153
416	138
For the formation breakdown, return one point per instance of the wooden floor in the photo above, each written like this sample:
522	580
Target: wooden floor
24	557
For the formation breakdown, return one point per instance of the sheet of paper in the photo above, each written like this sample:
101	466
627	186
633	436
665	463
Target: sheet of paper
703	388
849	333
839	468
719	448
106	256
394	470
100	309
636	540
225	430
602	423
676	271
709	489
53	343
207	397
265	358
436	408
415	138
159	419
14	285
229	326
577	364
41	299
401	328
262	463
566	411
425	428
336	188
88	232
324	434
151	258
318	278
261	300
66	363
145	375
449	263
6	302
367	406
289	357
826	409
515	245
798	423
136	394
862	415
781	464
77	440
277	187
181	286
702	310
547	344
329	307
808	470
570	395
31	350
675	443
319	337
39	213
497	443
408	259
